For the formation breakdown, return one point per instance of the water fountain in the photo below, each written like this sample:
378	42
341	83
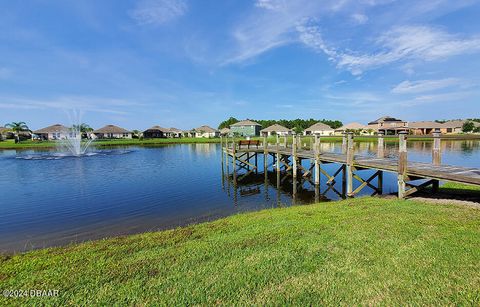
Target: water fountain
73	141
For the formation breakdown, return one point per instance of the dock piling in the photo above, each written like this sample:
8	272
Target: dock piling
380	146
402	164
294	157
436	150
317	159
350	154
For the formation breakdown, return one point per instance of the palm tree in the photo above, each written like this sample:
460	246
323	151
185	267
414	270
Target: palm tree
16	128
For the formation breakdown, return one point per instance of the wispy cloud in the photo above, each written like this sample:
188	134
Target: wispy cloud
156	12
421	86
80	103
360	18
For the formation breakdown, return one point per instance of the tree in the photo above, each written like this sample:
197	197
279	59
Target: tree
477	129
468	127
136	134
83	128
16	128
227	123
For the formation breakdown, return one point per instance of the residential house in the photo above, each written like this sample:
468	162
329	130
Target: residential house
3	133
54	132
319	129
355	128
155	132
225	131
246	128
426	127
388	125
455	126
174	133
206	132
112	132
275	129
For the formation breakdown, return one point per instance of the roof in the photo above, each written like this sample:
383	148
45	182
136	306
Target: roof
52	129
246	122
352	126
3	129
385	119
176	130
457	124
425	125
318	127
224	130
158	128
111	129
206	129
276	128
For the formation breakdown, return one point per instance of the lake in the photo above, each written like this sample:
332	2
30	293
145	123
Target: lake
49	200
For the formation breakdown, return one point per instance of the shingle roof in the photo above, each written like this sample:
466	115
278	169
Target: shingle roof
351	126
246	122
111	129
276	128
425	125
206	129
318	127
52	129
385	119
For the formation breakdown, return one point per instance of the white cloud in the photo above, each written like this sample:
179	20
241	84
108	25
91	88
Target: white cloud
158	12
421	86
411	42
360	18
270	4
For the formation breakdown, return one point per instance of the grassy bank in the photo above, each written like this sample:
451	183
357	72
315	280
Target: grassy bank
364	251
10	144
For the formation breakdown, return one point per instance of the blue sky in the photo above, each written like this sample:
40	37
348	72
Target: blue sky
186	63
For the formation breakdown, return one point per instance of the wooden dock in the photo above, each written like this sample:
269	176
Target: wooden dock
242	154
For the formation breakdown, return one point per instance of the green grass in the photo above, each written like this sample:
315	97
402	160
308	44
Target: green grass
365	251
455	188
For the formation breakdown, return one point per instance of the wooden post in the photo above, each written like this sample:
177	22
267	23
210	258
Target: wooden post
380	146
316	150
285	139
436	150
277	156
380	183
234	157
350	155
265	154
294	157
344	143
402	164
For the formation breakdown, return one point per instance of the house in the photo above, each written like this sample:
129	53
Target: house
155	132
246	128
275	129
225	131
388	125
426	127
455	126
206	132
356	128
319	129
3	133
112	132
174	133
54	132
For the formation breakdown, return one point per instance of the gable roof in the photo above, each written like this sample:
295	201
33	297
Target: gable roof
425	125
385	119
52	129
206	129
276	128
246	122
351	126
111	129
319	127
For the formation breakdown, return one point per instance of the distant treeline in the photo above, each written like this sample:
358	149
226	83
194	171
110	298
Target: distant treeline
296	124
470	119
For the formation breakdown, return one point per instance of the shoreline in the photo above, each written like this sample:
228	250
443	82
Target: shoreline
359	250
9	144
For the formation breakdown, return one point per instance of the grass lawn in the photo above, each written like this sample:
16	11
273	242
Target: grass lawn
364	251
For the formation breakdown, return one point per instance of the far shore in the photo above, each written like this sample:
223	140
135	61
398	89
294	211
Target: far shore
28	144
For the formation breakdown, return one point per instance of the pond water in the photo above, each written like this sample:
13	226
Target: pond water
60	200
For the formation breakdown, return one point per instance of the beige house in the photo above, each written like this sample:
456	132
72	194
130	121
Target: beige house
319	129
388	125
3	133
426	127
355	127
112	132
455	126
205	132
275	129
54	132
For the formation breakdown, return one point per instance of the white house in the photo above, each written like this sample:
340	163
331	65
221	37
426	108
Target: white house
54	132
112	132
206	132
320	129
275	129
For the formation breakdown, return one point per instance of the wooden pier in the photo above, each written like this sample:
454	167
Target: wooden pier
287	158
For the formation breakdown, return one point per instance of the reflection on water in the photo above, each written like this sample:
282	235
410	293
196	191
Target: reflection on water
52	202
